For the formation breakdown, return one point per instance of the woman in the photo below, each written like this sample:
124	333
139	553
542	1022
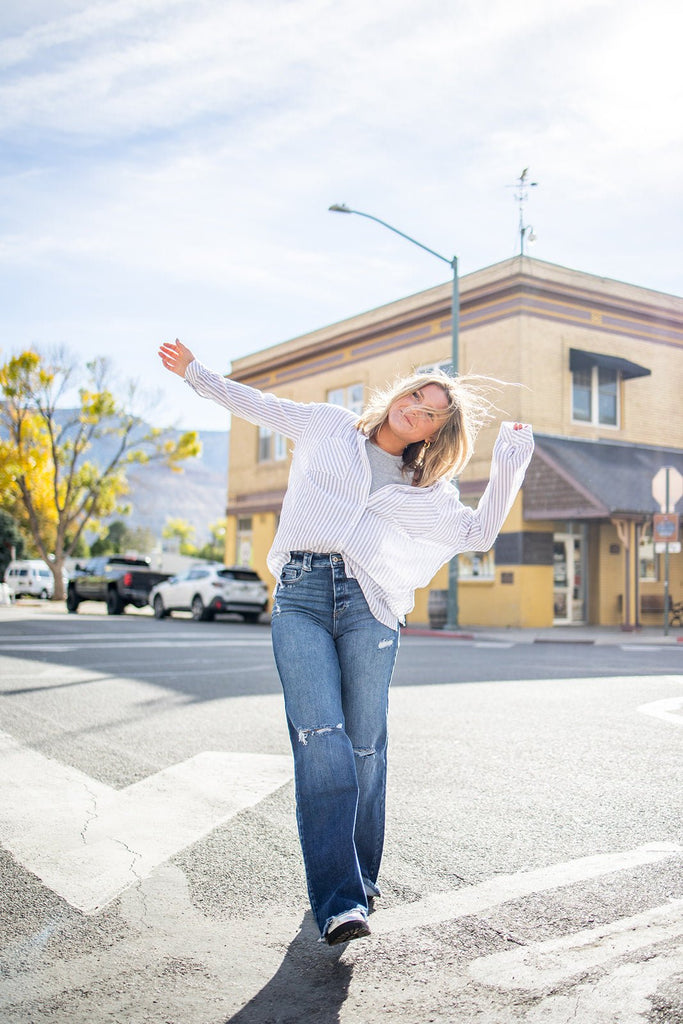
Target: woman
369	516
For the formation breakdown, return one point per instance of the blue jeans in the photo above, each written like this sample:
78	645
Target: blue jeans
335	661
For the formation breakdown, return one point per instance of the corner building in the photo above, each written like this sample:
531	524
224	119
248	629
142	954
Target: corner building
599	369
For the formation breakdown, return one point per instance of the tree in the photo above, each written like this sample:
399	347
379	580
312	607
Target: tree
184	531
120	538
214	549
10	538
113	541
51	483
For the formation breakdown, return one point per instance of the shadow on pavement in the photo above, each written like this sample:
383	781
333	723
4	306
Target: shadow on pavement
312	983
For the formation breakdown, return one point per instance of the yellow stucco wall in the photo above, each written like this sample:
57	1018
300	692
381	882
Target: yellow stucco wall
525	602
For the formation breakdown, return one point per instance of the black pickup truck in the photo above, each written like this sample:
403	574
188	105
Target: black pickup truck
116	579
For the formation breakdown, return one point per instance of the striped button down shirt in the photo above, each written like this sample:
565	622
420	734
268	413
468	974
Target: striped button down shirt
393	540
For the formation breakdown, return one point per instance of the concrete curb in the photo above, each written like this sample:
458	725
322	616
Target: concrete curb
585	635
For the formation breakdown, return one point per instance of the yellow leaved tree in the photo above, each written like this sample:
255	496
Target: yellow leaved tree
48	479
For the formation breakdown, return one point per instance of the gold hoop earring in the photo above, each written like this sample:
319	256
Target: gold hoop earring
427	444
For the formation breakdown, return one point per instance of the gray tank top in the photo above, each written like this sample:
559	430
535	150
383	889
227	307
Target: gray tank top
385	468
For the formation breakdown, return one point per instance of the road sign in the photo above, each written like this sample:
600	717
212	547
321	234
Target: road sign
659	487
664	528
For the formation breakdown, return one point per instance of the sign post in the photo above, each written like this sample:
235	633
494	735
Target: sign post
667	489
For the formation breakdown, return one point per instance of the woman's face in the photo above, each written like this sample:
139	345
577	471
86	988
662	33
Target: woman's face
416	417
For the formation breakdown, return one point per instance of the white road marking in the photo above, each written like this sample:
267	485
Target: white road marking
665	709
503	888
52	648
72	635
623	996
88	842
428	641
167	643
51	676
544	965
642	647
253	946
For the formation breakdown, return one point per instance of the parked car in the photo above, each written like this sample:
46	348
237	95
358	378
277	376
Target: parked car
119	580
208	589
30	577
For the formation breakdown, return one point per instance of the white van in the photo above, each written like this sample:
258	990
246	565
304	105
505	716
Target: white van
30	578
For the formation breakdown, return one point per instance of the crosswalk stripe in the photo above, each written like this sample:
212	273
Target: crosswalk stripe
547	964
88	842
503	888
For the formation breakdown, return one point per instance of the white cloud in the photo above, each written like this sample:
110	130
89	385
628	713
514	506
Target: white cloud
167	165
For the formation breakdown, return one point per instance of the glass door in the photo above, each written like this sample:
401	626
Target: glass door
568	581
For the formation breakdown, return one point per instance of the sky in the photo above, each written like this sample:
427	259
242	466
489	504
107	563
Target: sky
166	166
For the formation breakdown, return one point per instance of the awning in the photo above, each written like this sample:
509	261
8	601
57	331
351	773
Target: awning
574	479
581	360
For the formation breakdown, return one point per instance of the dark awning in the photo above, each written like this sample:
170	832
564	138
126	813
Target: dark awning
580	360
574	479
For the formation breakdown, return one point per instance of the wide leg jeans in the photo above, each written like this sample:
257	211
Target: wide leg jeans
335	661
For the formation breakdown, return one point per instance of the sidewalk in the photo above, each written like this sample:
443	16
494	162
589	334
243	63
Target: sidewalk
604	635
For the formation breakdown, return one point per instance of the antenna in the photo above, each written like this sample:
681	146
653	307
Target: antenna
522	185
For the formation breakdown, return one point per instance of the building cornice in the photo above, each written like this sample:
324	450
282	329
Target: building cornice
518	286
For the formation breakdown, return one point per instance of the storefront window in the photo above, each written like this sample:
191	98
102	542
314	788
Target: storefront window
245	540
477	565
647	559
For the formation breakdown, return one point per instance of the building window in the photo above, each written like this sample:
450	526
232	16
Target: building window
245	540
265	440
446	366
349	398
280	447
595	396
477	565
648	561
271	446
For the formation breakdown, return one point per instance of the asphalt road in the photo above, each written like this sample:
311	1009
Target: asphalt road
149	864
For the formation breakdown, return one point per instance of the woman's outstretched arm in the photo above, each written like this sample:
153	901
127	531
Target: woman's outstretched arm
280	414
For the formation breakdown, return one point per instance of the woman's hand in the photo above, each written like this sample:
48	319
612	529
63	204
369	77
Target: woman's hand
175	356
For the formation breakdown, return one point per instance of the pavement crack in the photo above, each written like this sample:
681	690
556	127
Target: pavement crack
139	879
91	814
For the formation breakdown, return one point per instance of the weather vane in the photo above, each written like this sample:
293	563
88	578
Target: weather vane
522	185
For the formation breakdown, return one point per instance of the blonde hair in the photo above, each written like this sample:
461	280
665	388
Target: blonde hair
452	446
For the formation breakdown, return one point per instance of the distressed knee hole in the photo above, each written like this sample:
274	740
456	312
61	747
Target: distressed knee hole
364	751
305	734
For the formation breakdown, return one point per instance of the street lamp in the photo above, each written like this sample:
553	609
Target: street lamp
452	608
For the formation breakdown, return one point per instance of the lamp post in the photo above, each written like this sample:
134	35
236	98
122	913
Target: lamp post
452	608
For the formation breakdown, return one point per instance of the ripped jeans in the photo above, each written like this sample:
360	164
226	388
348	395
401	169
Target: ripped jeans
335	661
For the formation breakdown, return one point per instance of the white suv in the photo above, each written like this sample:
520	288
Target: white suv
209	589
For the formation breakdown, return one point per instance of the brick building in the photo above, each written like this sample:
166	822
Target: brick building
598	369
